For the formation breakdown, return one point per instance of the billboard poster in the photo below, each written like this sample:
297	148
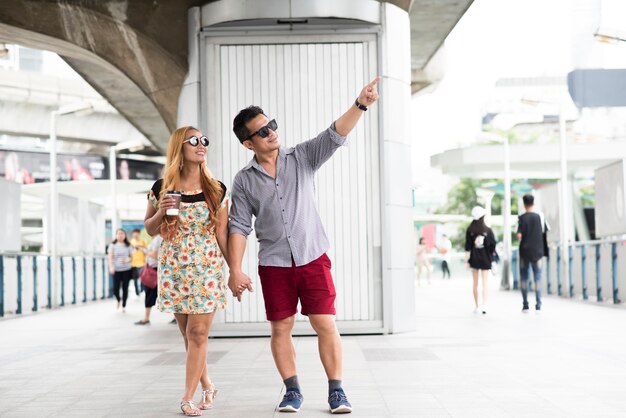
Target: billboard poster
34	167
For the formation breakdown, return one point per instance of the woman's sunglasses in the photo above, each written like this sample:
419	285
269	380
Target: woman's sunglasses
265	131
194	141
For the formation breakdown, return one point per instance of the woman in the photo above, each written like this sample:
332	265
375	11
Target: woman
120	253
152	262
190	258
480	244
422	260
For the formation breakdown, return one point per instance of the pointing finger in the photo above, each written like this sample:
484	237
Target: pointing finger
375	81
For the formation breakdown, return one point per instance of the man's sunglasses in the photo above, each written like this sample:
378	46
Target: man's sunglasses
265	131
194	141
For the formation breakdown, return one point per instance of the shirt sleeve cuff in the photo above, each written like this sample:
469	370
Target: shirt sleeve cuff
335	137
234	229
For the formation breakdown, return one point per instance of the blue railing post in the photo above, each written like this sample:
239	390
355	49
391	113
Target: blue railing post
19	285
558	270
104	280
73	281
548	278
95	296
49	283
1	285
35	302
598	271
62	267
583	265
84	279
614	272
570	263
110	283
515	268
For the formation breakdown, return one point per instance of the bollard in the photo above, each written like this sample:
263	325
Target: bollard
614	272
95	296
1	285
558	271
49	283
84	279
19	285
570	262
73	281
583	261
62	266
598	281
35	302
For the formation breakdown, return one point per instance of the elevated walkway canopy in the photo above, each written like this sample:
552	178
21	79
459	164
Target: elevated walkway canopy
135	53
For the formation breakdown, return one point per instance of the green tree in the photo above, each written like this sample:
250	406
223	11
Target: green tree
461	197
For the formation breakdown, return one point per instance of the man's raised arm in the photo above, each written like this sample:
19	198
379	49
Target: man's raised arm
367	97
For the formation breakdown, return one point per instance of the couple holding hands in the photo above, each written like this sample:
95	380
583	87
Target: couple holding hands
277	188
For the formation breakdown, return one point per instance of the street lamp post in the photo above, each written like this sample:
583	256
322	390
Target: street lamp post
78	108
564	214
505	283
564	207
506	211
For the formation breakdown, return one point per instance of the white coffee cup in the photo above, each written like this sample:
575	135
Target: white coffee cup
176	195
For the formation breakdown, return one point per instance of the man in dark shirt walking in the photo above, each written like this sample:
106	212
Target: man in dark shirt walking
277	188
530	229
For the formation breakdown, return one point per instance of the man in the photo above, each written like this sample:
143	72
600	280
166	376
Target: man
138	258
530	229
446	255
277	187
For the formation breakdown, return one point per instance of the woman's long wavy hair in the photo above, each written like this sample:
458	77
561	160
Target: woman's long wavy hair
211	188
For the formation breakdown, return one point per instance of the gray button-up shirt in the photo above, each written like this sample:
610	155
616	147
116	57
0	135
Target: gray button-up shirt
287	222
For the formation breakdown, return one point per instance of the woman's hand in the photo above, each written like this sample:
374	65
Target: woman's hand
166	202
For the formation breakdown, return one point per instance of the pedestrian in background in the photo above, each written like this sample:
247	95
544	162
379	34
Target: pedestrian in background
480	245
530	232
446	255
120	255
191	258
150	292
421	259
139	257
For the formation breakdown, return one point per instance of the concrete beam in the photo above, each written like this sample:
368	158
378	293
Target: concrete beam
527	161
133	53
431	22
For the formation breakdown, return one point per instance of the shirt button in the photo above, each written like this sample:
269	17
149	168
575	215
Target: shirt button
283	210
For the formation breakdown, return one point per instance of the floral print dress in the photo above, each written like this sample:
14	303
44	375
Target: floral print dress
191	280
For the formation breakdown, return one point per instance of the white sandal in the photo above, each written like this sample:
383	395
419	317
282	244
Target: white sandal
193	410
207	398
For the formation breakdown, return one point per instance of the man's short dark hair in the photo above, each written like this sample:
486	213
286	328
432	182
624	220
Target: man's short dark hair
528	199
244	116
137	231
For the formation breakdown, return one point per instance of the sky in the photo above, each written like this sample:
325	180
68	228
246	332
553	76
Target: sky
506	38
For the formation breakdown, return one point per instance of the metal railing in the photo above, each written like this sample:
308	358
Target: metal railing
594	270
26	281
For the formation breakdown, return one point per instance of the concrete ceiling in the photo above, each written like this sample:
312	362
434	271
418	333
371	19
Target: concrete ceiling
134	53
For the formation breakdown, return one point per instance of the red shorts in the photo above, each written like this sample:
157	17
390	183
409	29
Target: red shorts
311	283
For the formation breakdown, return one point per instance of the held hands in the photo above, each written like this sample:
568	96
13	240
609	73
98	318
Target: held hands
238	282
369	94
166	202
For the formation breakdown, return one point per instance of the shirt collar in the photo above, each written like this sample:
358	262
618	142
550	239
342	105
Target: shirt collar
281	154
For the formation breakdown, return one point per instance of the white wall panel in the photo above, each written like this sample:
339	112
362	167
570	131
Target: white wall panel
305	84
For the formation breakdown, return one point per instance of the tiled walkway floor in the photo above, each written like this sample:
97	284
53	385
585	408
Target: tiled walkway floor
91	361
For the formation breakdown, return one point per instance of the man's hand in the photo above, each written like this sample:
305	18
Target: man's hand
238	282
369	94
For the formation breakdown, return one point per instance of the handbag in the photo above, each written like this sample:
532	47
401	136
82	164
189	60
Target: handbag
148	276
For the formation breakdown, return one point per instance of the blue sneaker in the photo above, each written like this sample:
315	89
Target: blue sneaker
338	402
292	401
